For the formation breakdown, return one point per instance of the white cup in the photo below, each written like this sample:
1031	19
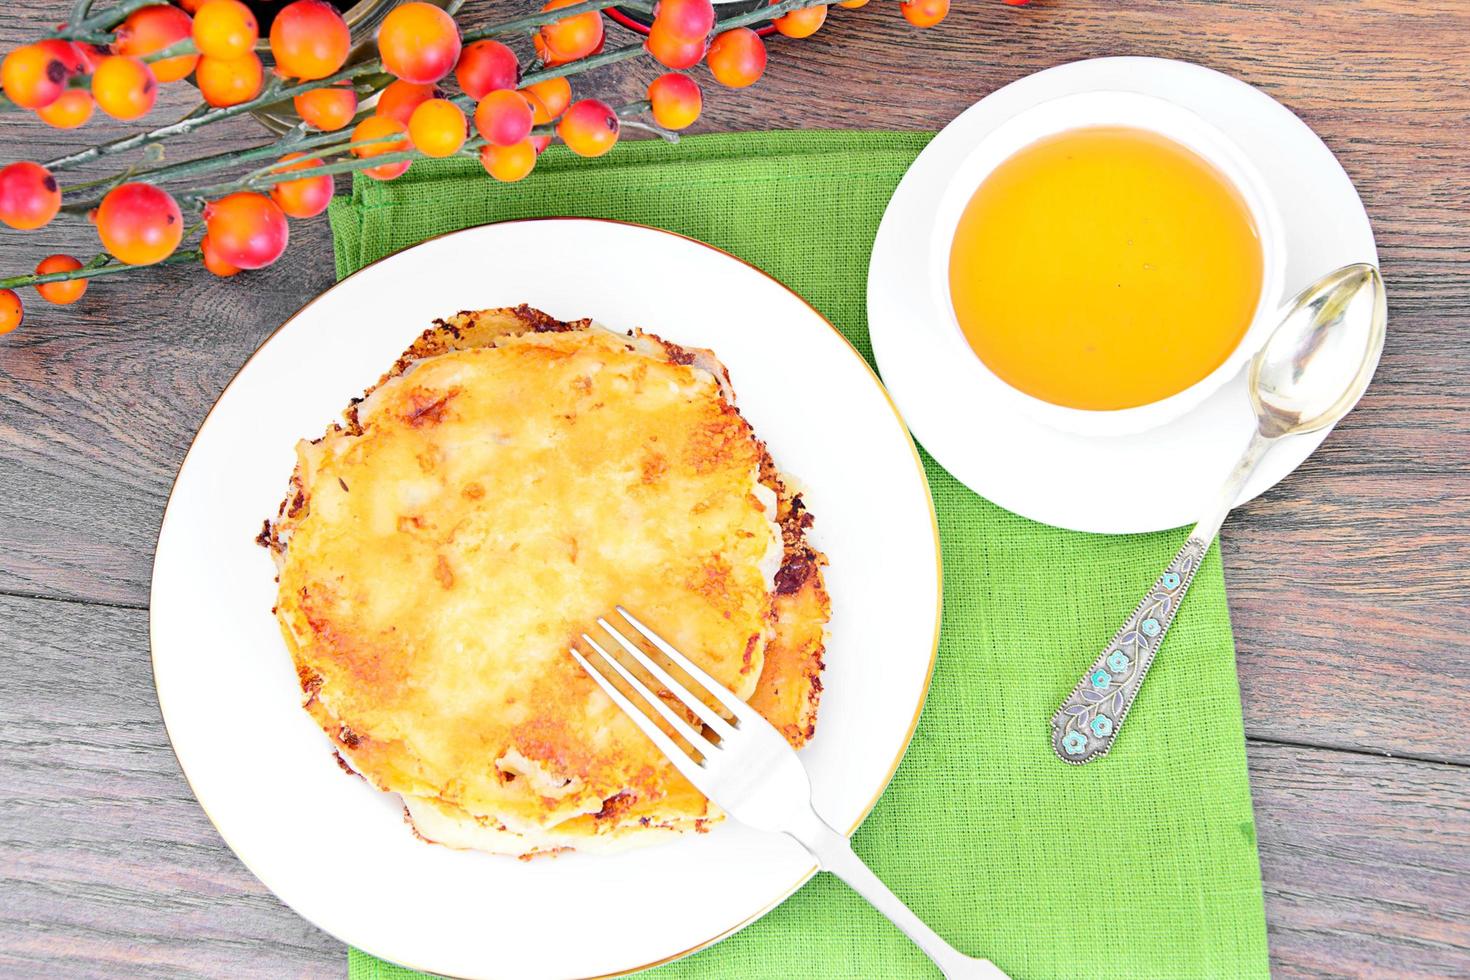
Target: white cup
1156	115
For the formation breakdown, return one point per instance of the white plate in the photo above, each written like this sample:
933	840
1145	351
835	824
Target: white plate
1154	480
337	851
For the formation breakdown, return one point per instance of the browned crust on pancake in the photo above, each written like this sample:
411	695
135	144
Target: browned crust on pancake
789	688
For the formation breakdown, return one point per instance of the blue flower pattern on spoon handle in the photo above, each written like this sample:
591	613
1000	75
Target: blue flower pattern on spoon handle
1084	727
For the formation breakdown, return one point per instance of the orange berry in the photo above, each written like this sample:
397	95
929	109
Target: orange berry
248	230
539	113
29	196
229	81
924	13
375	128
573	37
418	42
304	198
11	311
140	224
503	117
852	4
554	93
400	99
691	20
124	88
737	58
589	128
676	100
309	39
672	51
328	109
214	262
801	23
153	29
71	110
33	77
66	290
508	163
485	66
438	128
225	29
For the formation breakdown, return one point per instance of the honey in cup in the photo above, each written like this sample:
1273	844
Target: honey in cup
1105	268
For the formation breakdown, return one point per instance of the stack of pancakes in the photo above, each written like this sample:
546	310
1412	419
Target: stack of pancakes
510	479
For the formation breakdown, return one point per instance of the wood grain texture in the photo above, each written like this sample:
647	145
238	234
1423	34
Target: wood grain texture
1349	583
109	868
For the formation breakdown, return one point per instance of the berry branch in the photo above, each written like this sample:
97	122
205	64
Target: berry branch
115	59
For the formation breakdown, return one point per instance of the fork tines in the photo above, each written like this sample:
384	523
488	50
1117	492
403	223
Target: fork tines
697	708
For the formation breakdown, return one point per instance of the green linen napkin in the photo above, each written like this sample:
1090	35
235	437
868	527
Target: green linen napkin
1141	865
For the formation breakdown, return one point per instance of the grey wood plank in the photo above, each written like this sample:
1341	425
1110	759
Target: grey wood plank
108	867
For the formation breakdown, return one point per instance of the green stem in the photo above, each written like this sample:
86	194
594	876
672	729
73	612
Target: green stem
586	64
325	143
531	22
104	21
95	269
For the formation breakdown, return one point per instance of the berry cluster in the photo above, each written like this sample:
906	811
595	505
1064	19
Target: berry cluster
495	110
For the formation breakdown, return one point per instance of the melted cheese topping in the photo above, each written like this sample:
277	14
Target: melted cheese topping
494	503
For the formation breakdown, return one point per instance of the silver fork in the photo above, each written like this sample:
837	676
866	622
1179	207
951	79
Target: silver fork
755	776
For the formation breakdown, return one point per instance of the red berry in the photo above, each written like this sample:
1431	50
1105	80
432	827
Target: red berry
691	20
508	163
227	82
69	54
33	77
486	66
139	224
213	262
801	23
400	99
676	100
153	29
380	128
71	110
29	196
309	39
589	128
11	311
737	58
573	37
304	198
504	118
247	230
418	42
555	94
328	109
63	291
924	13
672	51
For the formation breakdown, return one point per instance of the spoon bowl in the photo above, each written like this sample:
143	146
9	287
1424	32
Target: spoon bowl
1317	363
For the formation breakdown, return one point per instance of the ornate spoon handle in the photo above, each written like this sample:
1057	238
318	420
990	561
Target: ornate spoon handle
1084	727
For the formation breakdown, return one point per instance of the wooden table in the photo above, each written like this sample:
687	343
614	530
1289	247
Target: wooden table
1349	583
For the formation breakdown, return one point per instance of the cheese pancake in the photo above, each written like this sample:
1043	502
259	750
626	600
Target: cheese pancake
508	481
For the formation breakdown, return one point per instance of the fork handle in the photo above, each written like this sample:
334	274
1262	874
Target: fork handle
835	854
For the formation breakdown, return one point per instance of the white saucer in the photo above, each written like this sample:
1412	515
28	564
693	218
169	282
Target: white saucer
1158	479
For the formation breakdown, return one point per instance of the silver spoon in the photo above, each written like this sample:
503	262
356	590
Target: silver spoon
1311	371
